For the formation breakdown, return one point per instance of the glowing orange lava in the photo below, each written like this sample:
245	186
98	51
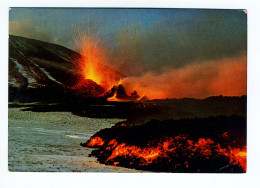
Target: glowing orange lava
93	63
148	154
95	142
113	98
236	156
171	148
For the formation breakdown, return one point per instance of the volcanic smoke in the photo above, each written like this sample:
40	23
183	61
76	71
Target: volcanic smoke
226	76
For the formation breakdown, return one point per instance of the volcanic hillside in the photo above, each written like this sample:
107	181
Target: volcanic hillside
38	70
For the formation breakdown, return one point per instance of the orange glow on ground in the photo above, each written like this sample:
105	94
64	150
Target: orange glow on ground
171	148
95	142
113	98
237	156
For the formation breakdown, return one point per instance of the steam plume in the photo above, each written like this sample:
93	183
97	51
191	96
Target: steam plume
224	77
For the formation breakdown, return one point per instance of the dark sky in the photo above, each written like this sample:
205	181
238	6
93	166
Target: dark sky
140	39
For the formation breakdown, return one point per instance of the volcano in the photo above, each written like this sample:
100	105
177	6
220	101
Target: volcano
44	71
161	135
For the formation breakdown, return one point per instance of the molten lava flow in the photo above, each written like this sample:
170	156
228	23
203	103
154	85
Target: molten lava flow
95	142
112	144
170	150
204	147
113	98
239	157
236	156
148	154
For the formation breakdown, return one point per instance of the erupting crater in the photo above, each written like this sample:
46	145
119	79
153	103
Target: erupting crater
96	78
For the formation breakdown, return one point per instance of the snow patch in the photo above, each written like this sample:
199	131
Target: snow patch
23	72
45	72
49	76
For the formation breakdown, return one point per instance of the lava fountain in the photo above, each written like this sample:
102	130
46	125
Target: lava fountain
93	64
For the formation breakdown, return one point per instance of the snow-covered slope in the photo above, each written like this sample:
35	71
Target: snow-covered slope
34	63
